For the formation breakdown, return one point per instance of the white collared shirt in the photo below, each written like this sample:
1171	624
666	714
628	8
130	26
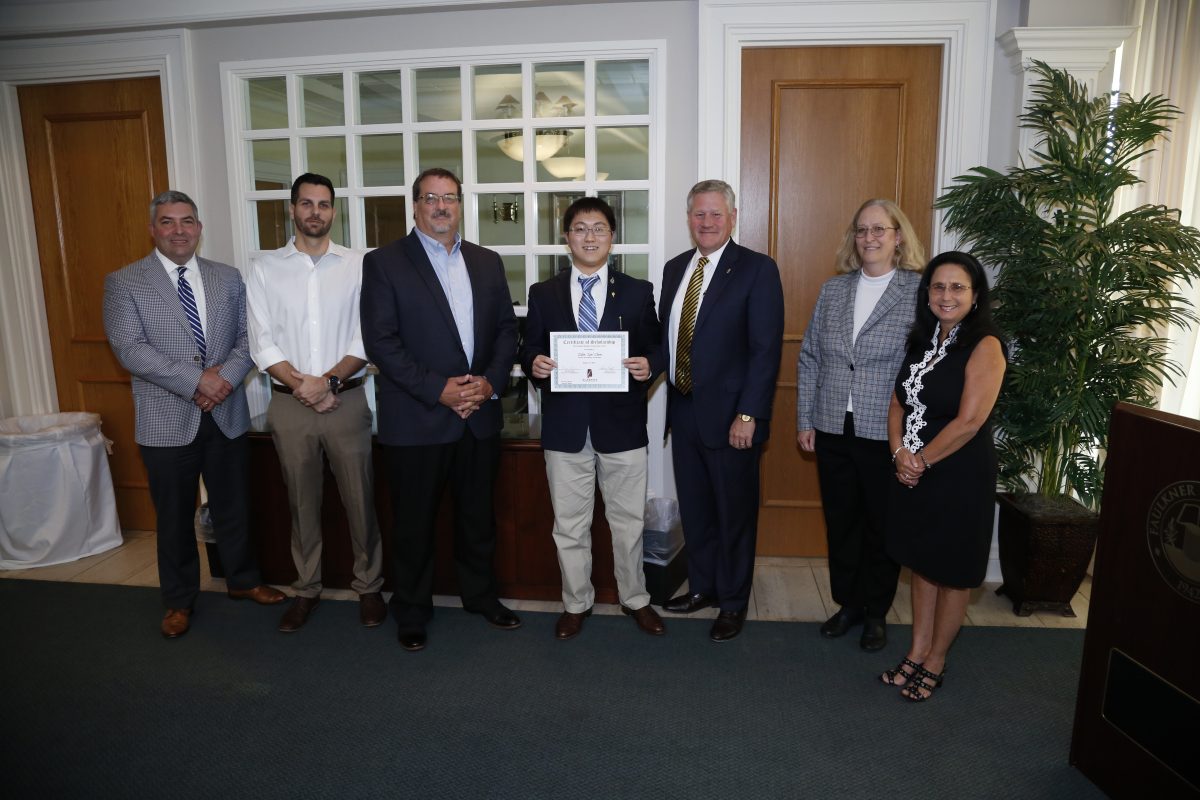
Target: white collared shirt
192	273
305	311
714	258
599	292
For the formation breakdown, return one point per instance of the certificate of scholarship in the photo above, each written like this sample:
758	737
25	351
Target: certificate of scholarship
589	362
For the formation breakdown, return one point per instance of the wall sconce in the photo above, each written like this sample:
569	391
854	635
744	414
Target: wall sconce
506	212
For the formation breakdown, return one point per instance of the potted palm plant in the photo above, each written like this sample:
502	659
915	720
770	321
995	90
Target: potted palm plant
1082	293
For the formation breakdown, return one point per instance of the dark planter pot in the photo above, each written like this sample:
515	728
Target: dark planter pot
1045	546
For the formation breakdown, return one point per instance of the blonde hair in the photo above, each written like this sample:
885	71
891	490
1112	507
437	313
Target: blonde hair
909	255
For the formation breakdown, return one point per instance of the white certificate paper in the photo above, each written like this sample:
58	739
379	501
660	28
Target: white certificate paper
589	362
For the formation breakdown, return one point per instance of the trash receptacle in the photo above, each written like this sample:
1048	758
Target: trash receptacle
56	493
663	557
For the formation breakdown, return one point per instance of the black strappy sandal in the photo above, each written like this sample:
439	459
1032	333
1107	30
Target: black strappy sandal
889	677
918	683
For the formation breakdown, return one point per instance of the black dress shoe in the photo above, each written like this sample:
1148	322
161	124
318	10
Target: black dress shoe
297	614
727	625
500	617
874	635
411	640
841	622
687	603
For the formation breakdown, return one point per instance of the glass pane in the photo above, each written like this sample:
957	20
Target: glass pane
340	232
622	87
637	265
567	162
502	221
326	155
493	164
514	270
379	98
632	210
270	164
558	90
623	154
266	99
439	94
440	150
385	220
324	102
551	206
549	266
273	222
382	160
498	92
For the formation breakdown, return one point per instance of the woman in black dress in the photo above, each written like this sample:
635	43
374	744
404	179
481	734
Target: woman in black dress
942	504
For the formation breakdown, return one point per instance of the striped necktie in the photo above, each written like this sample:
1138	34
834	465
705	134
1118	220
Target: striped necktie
687	327
587	304
188	301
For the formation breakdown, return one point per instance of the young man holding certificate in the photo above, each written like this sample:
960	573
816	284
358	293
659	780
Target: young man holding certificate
593	319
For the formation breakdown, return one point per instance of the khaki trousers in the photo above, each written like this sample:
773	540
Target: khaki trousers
572	478
344	436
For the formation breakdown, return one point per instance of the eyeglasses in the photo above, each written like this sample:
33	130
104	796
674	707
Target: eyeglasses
431	199
874	230
948	288
599	231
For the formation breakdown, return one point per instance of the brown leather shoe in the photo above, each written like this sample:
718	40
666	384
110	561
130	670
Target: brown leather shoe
372	611
569	625
297	614
176	622
262	594
647	619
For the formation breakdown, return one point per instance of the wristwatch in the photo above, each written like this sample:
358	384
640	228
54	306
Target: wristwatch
745	418
335	384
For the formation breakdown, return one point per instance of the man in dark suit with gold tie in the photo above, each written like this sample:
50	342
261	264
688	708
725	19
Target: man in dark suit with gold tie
722	320
437	321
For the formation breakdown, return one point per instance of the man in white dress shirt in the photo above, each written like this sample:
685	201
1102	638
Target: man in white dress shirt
303	309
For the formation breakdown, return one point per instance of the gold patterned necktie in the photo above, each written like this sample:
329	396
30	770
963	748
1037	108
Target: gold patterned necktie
687	327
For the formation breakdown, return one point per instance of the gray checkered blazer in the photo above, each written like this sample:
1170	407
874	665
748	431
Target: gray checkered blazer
149	333
829	367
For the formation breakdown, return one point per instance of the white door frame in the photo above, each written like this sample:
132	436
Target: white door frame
27	385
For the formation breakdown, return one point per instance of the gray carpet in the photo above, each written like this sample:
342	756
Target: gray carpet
96	704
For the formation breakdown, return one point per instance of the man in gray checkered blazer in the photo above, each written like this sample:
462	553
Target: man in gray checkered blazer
177	322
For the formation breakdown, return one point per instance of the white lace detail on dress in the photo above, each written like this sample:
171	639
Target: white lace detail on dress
913	386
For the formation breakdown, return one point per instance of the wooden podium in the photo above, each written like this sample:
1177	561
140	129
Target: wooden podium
1137	716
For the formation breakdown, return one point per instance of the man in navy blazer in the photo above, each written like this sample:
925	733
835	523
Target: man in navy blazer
722	320
177	322
586	435
437	321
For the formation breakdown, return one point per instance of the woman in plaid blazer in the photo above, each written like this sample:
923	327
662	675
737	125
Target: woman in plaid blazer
847	365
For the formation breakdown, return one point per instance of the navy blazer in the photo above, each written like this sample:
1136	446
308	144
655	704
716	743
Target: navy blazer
737	342
409	333
617	420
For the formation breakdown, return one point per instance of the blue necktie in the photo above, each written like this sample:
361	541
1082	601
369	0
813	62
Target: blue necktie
188	301
587	306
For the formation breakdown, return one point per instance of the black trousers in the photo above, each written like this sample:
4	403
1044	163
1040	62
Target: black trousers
855	476
174	474
417	476
718	504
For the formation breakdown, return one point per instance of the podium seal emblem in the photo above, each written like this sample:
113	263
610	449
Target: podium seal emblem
1173	534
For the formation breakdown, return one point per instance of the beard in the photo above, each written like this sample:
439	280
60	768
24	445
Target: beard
313	226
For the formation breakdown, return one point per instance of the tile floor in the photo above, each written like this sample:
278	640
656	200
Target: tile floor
785	589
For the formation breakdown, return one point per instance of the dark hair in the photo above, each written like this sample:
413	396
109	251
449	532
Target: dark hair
977	324
315	180
167	198
585	204
434	172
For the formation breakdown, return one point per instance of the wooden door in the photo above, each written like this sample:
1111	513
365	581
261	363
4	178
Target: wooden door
823	129
97	157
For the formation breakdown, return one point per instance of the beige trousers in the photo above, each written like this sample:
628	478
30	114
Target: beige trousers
572	478
344	436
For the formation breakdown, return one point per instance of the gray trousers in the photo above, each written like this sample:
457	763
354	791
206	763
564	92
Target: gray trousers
344	436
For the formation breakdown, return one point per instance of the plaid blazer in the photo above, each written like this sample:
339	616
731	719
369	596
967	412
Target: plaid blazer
829	367
149	334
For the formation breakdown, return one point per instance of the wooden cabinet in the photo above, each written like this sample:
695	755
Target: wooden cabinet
526	561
